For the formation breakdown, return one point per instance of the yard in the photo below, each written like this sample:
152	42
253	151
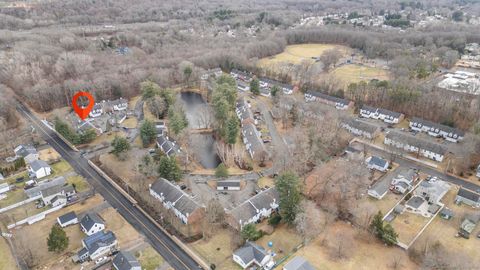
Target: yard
364	253
80	183
123	169
34	237
13	196
284	240
354	73
266	181
60	168
217	250
48	154
149	259
407	225
127	236
21	212
7	261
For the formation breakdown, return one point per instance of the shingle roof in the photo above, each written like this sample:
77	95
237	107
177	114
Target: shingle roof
327	97
418	122
378	161
25	150
99	239
125	261
249	131
298	263
38	164
468	194
55	190
89	220
416	142
173	194
353	123
228	183
251	252
67	217
248	209
415	201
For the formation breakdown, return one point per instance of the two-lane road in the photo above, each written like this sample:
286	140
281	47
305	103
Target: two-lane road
162	242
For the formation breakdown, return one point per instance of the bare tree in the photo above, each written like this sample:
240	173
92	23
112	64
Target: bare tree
330	57
310	222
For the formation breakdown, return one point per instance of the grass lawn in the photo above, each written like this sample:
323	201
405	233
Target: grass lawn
266	181
127	236
79	182
60	168
295	54
107	138
13	179
133	101
284	240
6	258
352	73
149	258
48	154
407	225
216	250
130	122
14	196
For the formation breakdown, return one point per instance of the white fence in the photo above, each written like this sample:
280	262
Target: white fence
15	205
35	218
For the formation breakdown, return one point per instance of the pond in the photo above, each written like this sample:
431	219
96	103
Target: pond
199	116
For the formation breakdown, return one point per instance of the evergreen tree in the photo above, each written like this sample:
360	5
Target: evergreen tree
255	86
382	231
274	90
148	133
120	146
57	240
288	186
169	169
221	171
250	232
149	89
233	127
377	224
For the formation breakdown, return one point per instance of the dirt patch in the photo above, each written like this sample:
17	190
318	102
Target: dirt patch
49	154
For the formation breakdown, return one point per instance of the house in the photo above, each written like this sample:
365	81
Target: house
91	223
468	225
34	189
404	181
255	209
97	245
39	169
298	263
446	213
57	195
27	152
67	219
4	187
467	197
381	114
412	144
228	185
97	110
243	86
176	200
253	143
125	261
215	72
120	104
436	130
338	103
160	128
265	92
426	199
243	111
241	75
377	163
251	255
359	128
169	147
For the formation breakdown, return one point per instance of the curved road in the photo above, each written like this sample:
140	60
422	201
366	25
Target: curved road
162	242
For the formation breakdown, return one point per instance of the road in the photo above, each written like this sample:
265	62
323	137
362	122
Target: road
424	168
162	242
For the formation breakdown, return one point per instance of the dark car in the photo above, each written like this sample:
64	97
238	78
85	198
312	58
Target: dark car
20	179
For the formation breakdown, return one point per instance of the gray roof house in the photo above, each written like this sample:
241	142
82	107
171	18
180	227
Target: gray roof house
252	254
298	263
172	197
381	114
258	207
359	128
437	130
97	245
91	223
468	197
253	143
169	147
228	185
67	219
27	152
338	103
377	163
126	261
37	190
412	144
39	169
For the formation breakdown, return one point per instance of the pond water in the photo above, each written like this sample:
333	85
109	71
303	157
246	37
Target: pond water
199	115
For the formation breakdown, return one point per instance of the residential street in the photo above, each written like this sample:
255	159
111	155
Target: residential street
162	242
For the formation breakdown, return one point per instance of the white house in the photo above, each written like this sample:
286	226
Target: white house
432	189
404	181
98	245
253	143
412	144
120	104
359	128
381	114
176	200
468	197
91	223
67	219
27	152
264	91
57	195
377	163
436	130
97	110
39	169
228	185
125	261
251	255
255	209
338	103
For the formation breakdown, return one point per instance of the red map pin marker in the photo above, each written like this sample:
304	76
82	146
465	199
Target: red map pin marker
83	112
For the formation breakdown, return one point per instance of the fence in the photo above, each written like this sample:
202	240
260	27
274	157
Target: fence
35	218
10	207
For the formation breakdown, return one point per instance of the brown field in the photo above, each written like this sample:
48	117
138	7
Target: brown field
284	240
216	250
7	261
150	259
127	236
48	154
354	73
407	225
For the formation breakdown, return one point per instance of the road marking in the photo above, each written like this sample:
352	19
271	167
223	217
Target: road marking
111	194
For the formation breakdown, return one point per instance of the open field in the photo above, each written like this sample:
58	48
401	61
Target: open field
444	231
123	169
217	250
295	54
60	168
149	259
365	253
34	237
7	261
266	181
130	122
353	73
48	154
